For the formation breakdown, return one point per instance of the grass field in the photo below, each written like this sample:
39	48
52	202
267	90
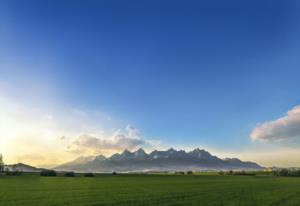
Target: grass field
30	190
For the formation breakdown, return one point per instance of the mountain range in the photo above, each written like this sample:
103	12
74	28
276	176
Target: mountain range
22	167
169	160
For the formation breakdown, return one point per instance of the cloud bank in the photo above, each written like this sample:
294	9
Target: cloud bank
89	144
284	128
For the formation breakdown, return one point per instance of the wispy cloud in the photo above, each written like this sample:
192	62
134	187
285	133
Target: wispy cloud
284	128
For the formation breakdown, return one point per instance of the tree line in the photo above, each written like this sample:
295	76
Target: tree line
287	172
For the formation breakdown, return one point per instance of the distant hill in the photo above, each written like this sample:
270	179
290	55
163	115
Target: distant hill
22	167
169	160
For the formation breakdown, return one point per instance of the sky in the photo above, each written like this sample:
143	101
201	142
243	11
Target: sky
94	77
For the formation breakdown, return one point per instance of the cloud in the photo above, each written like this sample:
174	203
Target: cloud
63	138
132	131
89	144
284	128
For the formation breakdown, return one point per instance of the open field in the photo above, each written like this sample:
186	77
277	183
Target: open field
30	190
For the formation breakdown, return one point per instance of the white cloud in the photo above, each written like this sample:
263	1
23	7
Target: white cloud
284	128
129	139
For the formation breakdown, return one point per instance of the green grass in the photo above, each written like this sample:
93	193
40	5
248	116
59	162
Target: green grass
31	190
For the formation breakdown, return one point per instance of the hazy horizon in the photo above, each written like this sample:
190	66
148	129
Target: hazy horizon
97	77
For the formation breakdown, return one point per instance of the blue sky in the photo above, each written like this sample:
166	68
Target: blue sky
187	73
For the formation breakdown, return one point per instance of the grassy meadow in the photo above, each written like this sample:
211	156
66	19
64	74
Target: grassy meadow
213	189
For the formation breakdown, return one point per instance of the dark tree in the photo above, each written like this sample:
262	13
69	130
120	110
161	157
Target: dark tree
89	175
297	173
179	173
48	173
284	172
1	164
69	174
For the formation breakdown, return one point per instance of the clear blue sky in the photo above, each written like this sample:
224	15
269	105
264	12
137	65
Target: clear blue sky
184	72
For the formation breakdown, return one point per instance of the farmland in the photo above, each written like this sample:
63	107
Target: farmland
212	189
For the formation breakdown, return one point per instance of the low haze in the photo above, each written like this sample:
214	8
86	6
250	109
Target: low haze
82	78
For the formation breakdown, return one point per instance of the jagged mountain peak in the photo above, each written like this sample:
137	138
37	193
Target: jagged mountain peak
197	150
140	153
200	153
115	156
140	150
171	150
126	153
100	158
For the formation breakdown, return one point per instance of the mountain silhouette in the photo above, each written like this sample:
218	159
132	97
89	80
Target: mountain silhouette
169	160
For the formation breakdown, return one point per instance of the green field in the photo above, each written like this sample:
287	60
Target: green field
30	190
